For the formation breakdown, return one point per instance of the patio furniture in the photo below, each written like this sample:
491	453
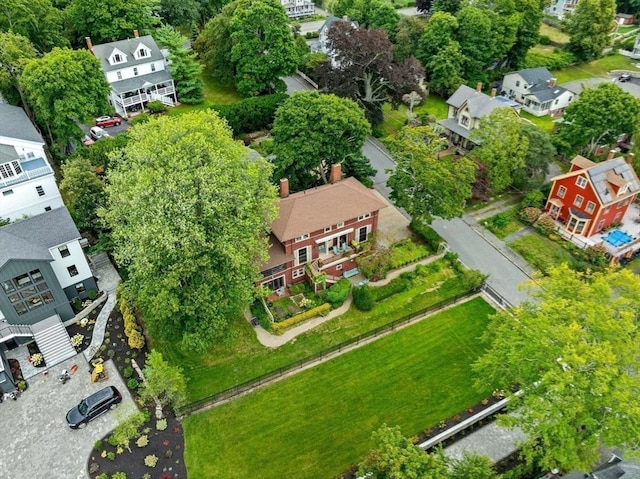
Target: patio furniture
280	291
351	273
336	251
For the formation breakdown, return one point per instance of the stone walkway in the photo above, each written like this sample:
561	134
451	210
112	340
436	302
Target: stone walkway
494	441
275	341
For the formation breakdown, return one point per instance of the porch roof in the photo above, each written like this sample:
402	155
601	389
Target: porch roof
277	256
579	214
138	82
556	202
452	125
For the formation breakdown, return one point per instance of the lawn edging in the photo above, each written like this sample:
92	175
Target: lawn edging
269	377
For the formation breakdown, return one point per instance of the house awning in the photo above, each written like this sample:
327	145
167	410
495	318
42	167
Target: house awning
556	202
142	81
579	214
335	235
452	125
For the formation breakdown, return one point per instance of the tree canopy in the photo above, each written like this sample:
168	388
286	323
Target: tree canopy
423	183
573	352
38	20
83	192
311	132
369	13
589	27
163	381
597	117
180	12
170	195
63	87
15	52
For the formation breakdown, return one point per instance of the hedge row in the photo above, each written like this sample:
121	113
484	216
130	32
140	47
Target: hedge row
337	294
428	235
131	327
395	286
321	310
251	114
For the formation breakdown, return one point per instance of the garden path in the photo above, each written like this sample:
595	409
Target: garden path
275	341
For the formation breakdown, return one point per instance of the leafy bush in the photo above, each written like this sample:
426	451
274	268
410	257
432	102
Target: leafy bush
97	446
151	460
132	383
395	286
530	215
311	313
119	475
545	225
428	235
500	220
338	293
535	199
136	340
111	456
103	475
544	40
92	294
127	372
142	441
297	288
251	114
552	61
141	118
471	278
127	429
76	340
156	106
161	424
363	298
375	264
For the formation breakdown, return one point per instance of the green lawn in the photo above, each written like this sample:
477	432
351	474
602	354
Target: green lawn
242	358
214	93
555	34
317	423
542	253
544	122
394	120
597	68
407	251
505	223
626	29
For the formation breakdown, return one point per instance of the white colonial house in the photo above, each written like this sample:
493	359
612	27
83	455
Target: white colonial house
559	8
27	182
537	91
136	70
299	8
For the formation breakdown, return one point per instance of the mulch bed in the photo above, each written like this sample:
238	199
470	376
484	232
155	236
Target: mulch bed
167	444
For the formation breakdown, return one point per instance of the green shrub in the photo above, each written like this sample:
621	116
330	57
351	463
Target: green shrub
151	460
127	372
161	424
530	215
552	61
119	475
97	446
297	288
132	383
363	298
500	220
111	456
156	106
141	118
544	40
311	313
251	114
136	340
338	293
102	476
428	235
533	199
394	286
545	225
92	294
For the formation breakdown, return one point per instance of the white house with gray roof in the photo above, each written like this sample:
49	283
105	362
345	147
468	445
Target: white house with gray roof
466	108
137	72
560	8
27	182
42	269
299	8
537	91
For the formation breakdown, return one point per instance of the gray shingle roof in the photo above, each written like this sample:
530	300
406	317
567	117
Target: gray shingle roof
479	104
8	153
543	92
451	124
598	176
14	123
138	82
462	94
535	75
128	46
31	238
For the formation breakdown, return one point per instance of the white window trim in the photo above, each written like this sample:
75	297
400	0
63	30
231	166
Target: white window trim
591	207
364	216
575	201
297	273
368	227
327	229
301	238
296	257
340	224
579	182
335	235
562	191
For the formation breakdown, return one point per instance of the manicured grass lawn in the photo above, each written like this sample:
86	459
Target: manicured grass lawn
394	120
555	34
505	223
634	266
597	68
626	29
407	251
543	122
214	93
319	422
242	358
540	252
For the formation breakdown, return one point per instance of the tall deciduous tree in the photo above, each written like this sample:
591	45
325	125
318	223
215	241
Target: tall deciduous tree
448	6
423	183
362	69
597	117
190	213
528	32
589	27
369	13
63	87
573	352
38	20
540	153
15	52
180	12
395	457
214	44
311	132
164	381
476	42
83	192
407	37
424	6
112	20
472	465
502	146
445	69
438	34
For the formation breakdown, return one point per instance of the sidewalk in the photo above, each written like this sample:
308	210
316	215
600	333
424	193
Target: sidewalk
275	341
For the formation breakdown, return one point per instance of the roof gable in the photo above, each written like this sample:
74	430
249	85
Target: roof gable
128	48
14	123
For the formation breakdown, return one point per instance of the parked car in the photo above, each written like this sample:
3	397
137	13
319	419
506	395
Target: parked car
92	406
96	133
107	121
624	77
86	141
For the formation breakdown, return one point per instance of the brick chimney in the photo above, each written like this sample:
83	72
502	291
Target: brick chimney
479	87
612	154
336	173
551	82
493	92
629	158
89	44
135	34
284	188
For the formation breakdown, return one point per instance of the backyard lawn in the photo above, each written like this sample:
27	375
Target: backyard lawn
319	422
214	93
541	252
394	120
597	68
242	358
544	122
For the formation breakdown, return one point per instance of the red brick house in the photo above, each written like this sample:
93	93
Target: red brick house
593	196
315	231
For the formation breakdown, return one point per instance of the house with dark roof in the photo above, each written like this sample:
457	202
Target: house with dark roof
318	231
299	8
466	108
42	269
27	182
594	196
137	72
537	91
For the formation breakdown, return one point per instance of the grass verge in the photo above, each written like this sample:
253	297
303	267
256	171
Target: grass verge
596	68
542	253
318	423
505	223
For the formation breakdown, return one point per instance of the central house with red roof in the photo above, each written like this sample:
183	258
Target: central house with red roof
316	230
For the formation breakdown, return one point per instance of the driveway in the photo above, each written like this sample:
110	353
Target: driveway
577	86
37	443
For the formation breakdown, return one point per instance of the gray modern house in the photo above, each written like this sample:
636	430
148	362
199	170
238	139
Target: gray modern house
42	269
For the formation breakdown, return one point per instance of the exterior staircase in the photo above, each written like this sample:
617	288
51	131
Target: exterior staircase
53	341
164	99
11	331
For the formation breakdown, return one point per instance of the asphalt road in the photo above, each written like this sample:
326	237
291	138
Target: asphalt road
472	248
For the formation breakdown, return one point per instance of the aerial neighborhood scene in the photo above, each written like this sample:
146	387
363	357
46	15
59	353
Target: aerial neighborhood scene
341	239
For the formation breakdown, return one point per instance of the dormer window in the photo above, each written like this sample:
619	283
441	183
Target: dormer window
623	189
142	52
117	57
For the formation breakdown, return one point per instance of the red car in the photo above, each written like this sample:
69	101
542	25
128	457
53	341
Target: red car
107	121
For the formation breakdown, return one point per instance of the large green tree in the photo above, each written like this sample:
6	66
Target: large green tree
311	132
214	44
407	37
502	147
190	214
597	117
476	42
63	87
180	12
83	192
438	34
528	32
163	381
539	154
589	27
423	183
369	13
472	465
112	20
15	52
38	20
573	353
445	70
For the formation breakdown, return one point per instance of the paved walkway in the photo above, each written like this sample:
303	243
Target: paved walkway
275	341
492	440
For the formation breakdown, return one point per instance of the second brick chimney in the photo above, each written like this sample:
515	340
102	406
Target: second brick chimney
284	188
479	87
89	44
612	154
336	173
135	34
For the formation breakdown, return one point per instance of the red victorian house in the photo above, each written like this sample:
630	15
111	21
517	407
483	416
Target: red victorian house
315	231
593	196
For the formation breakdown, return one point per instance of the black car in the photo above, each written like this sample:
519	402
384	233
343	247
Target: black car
624	77
92	406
